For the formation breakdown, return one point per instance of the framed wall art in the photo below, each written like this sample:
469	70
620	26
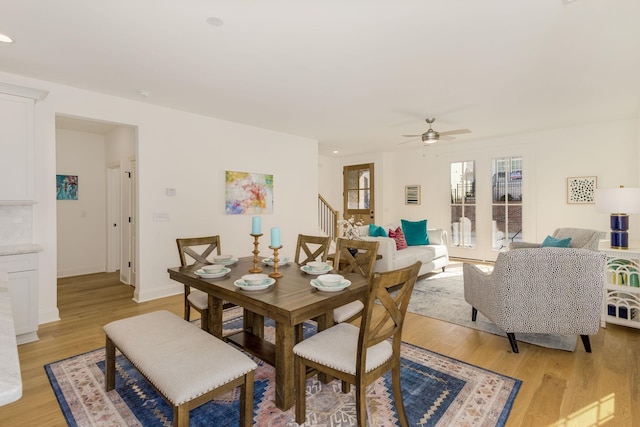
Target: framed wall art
412	195
66	187
581	189
248	193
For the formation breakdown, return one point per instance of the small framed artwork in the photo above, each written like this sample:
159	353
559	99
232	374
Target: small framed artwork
412	195
581	189
66	187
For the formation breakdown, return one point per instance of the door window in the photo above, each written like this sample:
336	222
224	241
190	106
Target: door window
463	204
506	202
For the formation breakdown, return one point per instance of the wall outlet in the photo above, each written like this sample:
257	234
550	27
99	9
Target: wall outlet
160	216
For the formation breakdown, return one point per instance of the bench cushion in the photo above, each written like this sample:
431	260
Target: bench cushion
181	360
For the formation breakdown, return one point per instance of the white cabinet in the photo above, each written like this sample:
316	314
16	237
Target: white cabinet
17	162
17	142
621	300
23	288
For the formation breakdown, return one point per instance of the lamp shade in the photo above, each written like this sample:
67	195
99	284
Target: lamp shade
618	200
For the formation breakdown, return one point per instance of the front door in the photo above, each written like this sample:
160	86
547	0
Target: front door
358	193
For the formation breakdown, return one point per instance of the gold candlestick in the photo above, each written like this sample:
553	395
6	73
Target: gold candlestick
276	274
255	268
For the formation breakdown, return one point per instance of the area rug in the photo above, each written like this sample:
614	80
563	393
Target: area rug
441	296
437	391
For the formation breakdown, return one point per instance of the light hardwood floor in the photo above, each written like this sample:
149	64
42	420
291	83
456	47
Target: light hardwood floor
559	388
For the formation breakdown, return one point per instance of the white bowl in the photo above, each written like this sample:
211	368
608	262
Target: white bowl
213	268
330	280
255	279
317	265
222	257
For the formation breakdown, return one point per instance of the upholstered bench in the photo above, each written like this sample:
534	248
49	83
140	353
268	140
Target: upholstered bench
185	364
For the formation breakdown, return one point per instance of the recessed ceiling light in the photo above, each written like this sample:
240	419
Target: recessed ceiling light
5	39
335	151
214	21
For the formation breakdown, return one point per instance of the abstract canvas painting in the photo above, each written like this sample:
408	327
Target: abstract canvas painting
67	187
581	189
248	193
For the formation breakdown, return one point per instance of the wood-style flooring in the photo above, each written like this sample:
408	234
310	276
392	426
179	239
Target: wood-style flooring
559	388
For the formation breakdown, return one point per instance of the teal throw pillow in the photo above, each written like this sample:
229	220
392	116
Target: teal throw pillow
415	232
377	231
552	242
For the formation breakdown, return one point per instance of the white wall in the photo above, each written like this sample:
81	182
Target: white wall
81	244
183	151
608	150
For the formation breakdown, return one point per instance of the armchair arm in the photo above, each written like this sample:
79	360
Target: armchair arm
479	289
523	245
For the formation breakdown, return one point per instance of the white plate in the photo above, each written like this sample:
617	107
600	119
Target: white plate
226	261
319	286
269	262
245	286
309	270
206	275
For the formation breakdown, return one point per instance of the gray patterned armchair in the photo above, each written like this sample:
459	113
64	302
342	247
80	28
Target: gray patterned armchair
547	290
580	238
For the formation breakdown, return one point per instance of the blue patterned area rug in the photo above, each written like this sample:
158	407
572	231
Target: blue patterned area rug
437	391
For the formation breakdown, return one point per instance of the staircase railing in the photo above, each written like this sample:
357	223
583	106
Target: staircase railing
327	218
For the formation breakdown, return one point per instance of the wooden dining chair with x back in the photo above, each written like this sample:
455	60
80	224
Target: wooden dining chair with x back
353	256
360	355
311	248
197	251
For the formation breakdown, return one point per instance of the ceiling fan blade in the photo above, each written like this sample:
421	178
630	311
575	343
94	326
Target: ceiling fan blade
412	136
446	138
411	140
455	132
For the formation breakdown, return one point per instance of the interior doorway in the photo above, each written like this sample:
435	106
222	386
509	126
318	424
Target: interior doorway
111	242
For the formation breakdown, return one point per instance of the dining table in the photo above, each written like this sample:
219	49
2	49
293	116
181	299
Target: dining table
289	302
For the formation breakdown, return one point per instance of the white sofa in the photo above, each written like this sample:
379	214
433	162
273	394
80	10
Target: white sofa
433	256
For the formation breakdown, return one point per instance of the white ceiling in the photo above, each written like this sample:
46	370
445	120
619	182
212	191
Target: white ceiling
354	74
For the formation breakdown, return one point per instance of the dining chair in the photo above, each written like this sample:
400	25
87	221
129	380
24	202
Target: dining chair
353	256
312	248
359	355
197	251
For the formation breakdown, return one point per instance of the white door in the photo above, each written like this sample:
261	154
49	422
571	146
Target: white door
133	215
113	219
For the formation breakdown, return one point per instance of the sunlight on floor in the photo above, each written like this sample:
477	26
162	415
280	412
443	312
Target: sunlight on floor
596	414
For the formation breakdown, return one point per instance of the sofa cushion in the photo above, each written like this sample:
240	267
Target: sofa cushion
415	232
552	242
377	231
398	236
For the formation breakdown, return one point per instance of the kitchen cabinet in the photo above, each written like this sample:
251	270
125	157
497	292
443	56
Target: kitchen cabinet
23	289
17	142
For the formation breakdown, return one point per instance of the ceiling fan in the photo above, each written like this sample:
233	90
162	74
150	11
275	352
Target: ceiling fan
431	136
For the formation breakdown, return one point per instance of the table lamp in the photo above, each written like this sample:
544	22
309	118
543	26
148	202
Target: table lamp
619	202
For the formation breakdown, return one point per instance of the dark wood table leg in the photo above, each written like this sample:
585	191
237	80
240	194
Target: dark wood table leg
215	316
285	383
253	323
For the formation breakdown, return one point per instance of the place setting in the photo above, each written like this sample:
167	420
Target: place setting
254	282
316	268
224	260
212	271
330	283
281	261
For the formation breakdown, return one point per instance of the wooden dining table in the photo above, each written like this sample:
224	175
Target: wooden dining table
288	302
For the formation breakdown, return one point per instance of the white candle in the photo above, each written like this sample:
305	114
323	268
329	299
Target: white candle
255	225
275	237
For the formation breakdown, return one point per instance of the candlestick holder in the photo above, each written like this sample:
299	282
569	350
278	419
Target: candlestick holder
255	268
276	274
